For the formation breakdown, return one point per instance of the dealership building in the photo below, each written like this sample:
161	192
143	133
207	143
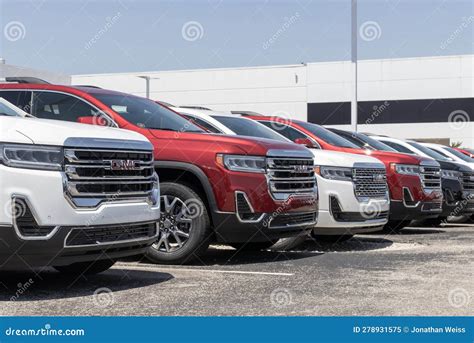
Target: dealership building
425	98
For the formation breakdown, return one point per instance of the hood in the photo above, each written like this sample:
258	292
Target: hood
396	157
341	159
231	144
449	165
54	132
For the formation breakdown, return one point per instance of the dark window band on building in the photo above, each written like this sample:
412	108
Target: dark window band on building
391	111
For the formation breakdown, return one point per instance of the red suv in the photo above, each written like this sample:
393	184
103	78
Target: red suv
414	182
246	192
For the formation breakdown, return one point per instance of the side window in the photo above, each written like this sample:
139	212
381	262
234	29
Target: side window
51	105
204	124
284	130
21	99
398	147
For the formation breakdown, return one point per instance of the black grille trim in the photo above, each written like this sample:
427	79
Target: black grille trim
93	236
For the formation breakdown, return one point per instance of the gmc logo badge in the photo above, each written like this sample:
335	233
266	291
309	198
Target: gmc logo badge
123	165
378	177
300	169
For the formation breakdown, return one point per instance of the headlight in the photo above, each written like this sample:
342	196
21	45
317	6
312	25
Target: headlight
31	156
450	174
334	173
407	169
251	164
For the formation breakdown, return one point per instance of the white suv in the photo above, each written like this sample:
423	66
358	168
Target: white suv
72	196
353	191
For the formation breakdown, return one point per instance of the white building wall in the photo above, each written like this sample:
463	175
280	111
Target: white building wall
8	70
270	90
287	90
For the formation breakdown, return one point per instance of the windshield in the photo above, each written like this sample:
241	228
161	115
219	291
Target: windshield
7	111
374	143
147	114
429	152
247	127
327	136
459	154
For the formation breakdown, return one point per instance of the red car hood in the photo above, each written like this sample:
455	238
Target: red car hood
226	143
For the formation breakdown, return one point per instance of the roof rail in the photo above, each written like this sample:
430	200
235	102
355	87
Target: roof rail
164	103
88	86
25	79
196	108
247	113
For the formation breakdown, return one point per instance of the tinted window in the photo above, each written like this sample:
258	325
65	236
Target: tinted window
429	152
246	127
284	130
377	145
327	136
146	113
398	147
201	123
58	106
459	154
21	99
441	153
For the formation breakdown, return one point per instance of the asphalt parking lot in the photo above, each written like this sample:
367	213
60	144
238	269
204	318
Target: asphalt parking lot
423	271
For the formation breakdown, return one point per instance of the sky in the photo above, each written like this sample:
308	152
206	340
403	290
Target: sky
105	36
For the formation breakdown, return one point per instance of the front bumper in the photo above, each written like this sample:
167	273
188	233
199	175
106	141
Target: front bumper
44	193
65	247
352	215
292	217
230	229
421	210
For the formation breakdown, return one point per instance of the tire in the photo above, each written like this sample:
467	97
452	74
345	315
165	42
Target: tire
184	226
253	246
86	268
332	238
394	226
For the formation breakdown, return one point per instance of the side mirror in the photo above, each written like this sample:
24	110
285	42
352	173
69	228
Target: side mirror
92	120
306	142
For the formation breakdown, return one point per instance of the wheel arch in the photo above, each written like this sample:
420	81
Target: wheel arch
192	176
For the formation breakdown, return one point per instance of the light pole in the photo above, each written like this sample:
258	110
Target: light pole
147	80
354	65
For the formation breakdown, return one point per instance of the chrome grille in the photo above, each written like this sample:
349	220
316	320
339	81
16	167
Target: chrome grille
108	174
468	181
430	177
287	176
370	182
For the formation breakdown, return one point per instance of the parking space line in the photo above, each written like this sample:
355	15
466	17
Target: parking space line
221	271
